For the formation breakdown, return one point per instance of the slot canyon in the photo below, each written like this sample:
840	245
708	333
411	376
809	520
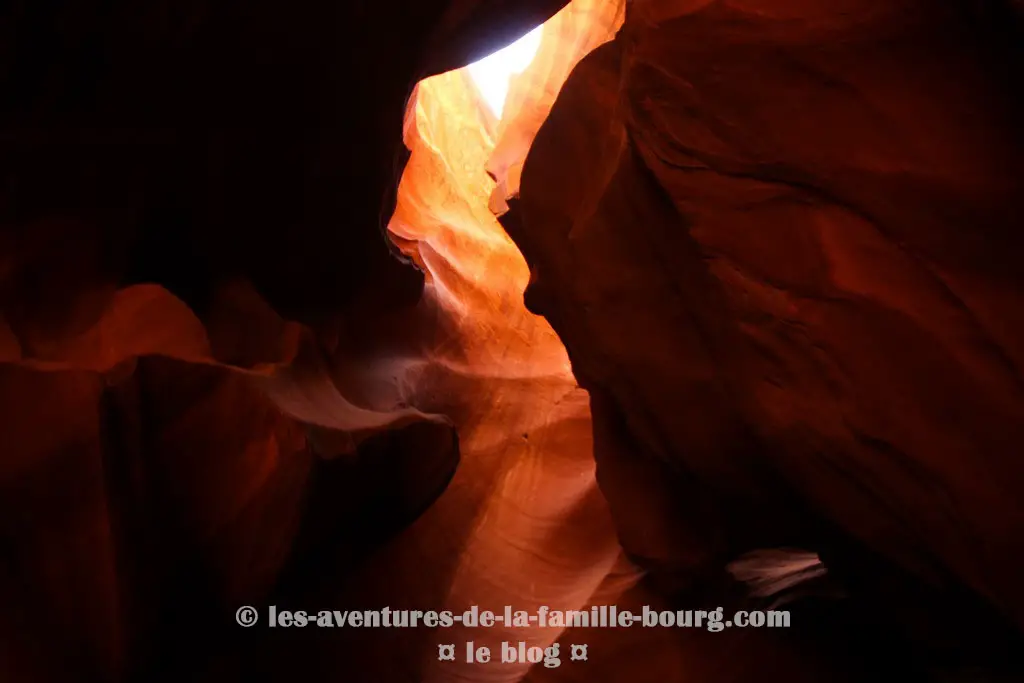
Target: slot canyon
720	305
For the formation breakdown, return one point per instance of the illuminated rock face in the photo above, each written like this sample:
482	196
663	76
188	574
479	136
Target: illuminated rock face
778	241
187	374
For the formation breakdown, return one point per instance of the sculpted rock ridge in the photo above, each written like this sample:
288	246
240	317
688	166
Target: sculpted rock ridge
725	310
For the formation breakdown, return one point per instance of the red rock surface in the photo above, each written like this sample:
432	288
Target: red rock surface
806	215
780	242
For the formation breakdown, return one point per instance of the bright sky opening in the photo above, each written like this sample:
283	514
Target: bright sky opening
491	74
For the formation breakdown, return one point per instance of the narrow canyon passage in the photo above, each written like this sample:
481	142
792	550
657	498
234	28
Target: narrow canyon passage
523	522
717	304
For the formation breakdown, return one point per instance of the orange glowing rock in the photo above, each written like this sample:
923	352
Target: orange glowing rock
523	423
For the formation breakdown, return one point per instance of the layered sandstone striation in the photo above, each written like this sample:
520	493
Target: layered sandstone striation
287	316
806	216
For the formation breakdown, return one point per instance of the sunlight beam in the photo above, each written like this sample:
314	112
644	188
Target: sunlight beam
491	74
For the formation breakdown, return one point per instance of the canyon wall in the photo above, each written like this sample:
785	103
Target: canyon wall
754	282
